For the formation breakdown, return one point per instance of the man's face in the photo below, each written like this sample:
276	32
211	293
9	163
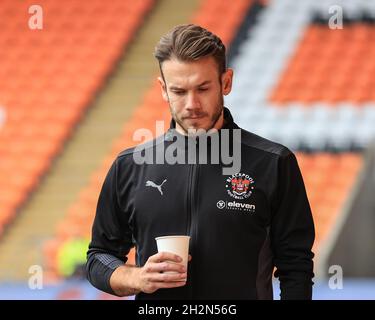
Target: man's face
194	93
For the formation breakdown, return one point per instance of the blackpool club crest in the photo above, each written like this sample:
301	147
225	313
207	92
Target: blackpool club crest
240	186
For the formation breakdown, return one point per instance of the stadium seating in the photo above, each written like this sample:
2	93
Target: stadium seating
48	78
292	60
296	82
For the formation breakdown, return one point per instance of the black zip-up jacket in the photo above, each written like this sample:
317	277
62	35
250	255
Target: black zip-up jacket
241	226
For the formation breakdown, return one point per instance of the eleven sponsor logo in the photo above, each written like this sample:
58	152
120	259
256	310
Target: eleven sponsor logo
233	205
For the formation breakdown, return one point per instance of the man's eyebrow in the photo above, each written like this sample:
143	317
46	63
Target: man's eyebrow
203	83
199	85
175	88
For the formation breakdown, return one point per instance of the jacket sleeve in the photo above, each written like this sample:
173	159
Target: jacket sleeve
292	232
111	236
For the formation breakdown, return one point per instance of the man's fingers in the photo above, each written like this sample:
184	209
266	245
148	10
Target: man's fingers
162	256
168	277
165	266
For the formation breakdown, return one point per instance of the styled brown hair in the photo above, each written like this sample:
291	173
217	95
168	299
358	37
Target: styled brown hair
190	42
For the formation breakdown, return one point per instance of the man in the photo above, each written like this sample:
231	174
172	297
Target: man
241	225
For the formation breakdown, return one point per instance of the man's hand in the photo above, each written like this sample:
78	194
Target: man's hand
152	276
128	280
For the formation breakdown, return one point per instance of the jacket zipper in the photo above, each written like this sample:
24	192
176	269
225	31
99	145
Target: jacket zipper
190	182
190	220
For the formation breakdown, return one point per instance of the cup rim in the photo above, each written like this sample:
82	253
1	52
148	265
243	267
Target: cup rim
167	237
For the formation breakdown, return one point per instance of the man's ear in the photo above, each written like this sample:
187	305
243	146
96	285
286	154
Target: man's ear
226	80
163	89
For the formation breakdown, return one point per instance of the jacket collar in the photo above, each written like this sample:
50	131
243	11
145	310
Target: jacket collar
228	124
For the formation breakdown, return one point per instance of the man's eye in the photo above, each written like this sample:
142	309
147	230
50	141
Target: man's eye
179	92
203	89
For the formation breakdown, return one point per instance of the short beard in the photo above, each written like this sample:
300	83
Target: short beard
214	118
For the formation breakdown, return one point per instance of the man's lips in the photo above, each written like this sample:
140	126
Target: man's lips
194	117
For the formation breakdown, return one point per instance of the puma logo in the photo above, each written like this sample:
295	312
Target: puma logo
150	183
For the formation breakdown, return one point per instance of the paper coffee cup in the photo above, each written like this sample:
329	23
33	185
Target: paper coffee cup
175	244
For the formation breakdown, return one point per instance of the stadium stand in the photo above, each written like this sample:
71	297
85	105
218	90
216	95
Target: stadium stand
296	82
45	96
286	62
316	167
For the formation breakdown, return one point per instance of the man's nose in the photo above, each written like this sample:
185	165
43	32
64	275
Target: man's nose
192	101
